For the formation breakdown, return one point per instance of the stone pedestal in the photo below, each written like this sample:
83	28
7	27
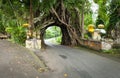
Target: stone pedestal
106	45
33	44
96	36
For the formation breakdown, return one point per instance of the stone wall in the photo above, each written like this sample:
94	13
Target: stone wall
96	45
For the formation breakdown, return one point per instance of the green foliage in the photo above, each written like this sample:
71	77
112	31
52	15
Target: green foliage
99	21
49	34
18	12
88	19
86	36
109	14
17	33
12	17
2	26
114	14
52	32
112	51
103	16
58	39
100	1
46	5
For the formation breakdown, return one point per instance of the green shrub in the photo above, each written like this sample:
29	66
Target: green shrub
112	51
2	28
86	36
58	39
18	34
49	34
52	32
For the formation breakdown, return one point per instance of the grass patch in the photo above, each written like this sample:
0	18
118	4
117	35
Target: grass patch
112	51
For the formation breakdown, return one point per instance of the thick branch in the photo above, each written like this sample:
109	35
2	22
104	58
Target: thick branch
68	26
73	32
47	23
53	10
37	19
62	10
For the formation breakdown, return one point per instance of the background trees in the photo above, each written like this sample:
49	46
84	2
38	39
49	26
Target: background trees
72	16
114	22
109	15
103	12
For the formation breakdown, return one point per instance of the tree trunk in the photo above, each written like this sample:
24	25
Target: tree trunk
77	22
42	32
31	19
74	38
65	36
82	22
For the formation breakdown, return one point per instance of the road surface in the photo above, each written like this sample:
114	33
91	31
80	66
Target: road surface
63	62
78	63
17	61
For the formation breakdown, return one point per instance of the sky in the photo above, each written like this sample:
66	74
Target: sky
94	8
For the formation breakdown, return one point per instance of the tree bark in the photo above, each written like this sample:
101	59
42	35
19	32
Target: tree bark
42	32
31	19
65	36
71	31
82	22
77	22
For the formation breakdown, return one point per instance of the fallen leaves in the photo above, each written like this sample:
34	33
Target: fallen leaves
41	70
65	75
37	77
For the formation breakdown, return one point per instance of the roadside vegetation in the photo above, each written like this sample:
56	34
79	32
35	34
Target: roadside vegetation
53	33
75	15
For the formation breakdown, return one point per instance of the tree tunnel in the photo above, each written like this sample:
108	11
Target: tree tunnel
69	22
65	39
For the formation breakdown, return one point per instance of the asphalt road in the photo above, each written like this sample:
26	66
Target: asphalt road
77	63
63	62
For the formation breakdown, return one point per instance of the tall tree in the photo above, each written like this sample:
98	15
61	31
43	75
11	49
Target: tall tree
114	22
66	14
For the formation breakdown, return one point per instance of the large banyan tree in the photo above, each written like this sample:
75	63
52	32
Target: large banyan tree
68	15
41	14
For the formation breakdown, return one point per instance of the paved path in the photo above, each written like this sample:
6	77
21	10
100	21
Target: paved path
18	62
78	63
